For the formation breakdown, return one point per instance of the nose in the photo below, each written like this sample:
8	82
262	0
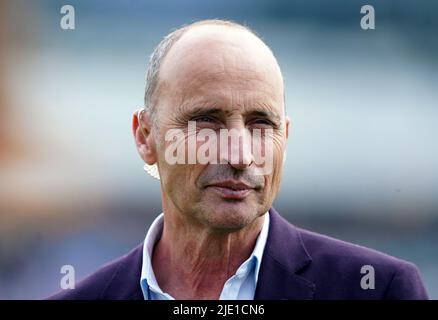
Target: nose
236	149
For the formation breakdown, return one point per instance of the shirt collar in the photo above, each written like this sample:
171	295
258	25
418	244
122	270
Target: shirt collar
149	282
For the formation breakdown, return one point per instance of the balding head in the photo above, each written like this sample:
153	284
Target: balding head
202	44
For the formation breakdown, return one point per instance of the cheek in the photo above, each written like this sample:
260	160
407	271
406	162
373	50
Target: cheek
279	147
177	175
183	177
192	173
274	178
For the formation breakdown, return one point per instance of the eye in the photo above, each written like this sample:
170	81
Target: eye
261	122
204	119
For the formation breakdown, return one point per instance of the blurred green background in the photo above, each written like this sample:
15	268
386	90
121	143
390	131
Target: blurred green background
362	162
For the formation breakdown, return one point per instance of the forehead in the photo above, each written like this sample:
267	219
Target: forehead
221	65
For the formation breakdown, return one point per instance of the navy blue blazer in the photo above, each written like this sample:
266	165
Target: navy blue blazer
296	264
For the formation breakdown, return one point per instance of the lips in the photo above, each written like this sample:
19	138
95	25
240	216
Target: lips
230	184
231	189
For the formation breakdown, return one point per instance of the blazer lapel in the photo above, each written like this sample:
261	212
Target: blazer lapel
284	257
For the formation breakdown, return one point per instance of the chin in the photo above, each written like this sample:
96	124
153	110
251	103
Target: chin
229	215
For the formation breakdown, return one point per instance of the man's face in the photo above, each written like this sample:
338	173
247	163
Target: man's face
222	79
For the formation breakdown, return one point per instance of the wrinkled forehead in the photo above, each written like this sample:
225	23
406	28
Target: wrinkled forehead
221	62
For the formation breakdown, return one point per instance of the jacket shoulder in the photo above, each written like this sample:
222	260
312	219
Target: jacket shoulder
336	262
118	279
323	247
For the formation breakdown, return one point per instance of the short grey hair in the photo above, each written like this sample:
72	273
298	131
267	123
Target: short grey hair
160	52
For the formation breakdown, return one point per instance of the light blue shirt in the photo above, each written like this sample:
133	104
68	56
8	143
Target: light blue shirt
240	286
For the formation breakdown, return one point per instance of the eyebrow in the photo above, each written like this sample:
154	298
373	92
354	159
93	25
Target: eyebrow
259	112
203	111
192	108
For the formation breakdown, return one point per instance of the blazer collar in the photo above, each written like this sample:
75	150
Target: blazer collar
284	257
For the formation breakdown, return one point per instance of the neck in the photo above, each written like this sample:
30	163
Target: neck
191	261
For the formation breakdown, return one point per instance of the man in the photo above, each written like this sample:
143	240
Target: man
218	236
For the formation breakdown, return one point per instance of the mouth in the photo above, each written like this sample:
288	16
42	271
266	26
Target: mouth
233	190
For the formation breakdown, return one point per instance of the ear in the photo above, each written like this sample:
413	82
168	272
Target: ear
287	127
144	140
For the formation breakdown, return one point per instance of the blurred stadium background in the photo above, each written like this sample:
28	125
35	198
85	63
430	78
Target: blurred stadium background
362	159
